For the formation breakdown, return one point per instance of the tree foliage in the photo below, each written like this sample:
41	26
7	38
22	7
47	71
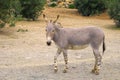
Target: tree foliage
10	10
32	8
114	11
90	7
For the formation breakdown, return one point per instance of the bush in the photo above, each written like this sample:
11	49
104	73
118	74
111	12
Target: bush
114	11
13	10
54	0
90	7
53	4
32	8
71	6
9	11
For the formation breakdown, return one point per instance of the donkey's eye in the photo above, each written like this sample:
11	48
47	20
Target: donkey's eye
53	30
46	30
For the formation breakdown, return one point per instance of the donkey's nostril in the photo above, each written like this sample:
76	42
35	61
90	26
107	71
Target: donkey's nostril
48	43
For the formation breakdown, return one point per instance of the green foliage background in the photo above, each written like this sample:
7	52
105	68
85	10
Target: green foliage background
12	10
9	11
114	10
90	7
32	8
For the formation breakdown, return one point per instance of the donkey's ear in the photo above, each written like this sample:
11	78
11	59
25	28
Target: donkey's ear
56	18
45	18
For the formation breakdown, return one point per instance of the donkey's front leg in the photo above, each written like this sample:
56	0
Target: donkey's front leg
55	59
66	61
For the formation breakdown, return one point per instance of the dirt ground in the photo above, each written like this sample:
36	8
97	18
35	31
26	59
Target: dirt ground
25	55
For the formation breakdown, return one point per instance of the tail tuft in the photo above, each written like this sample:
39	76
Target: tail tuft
104	47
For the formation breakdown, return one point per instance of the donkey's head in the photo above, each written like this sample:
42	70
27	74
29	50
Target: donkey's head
51	29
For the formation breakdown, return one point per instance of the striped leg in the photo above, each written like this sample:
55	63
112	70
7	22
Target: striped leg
66	61
98	59
55	60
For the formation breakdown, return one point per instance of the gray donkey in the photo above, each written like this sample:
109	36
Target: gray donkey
74	38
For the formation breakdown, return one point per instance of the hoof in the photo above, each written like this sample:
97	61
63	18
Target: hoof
64	71
55	70
95	71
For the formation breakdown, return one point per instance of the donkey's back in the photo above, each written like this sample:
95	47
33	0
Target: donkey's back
78	37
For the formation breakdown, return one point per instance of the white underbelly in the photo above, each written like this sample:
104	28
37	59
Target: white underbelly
76	47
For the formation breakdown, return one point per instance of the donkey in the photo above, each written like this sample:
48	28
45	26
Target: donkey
74	38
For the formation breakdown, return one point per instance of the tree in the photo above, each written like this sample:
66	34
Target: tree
9	10
90	7
114	11
32	8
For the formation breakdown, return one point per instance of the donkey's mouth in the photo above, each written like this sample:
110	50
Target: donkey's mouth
48	43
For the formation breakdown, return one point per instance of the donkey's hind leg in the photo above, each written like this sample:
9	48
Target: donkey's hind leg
55	59
98	59
66	61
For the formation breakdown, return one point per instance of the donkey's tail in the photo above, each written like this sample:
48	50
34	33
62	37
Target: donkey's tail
104	47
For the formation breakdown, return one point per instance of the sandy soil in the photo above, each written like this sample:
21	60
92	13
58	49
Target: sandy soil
25	55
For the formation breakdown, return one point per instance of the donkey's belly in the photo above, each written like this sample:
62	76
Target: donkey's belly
76	47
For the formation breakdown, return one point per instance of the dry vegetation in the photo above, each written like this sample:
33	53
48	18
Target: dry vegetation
25	55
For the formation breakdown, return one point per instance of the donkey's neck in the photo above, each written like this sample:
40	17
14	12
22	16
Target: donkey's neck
56	36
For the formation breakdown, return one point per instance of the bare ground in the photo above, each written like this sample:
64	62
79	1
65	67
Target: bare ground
25	55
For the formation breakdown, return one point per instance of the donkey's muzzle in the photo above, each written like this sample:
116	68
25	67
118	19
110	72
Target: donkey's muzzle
49	43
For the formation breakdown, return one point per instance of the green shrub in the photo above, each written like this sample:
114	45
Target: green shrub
114	11
9	11
53	4
90	7
2	25
22	30
71	6
32	8
54	0
13	10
